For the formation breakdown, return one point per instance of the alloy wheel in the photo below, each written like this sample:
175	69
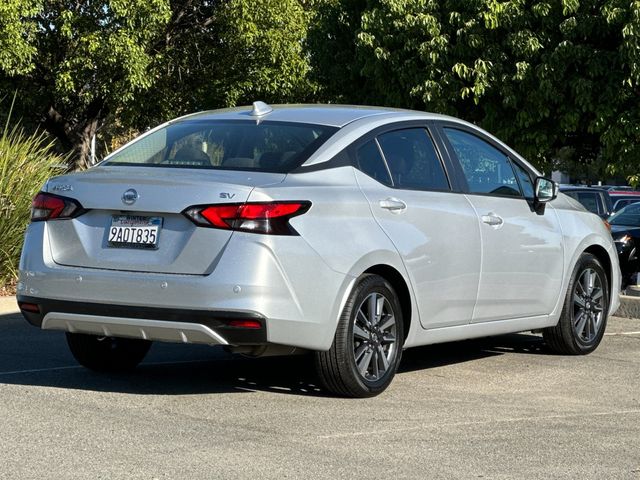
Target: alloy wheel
588	305
374	337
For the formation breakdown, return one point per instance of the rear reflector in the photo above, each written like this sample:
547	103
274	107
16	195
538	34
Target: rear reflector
245	323
46	206
268	218
29	307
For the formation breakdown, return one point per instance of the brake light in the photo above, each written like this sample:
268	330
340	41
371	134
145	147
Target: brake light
46	206
267	218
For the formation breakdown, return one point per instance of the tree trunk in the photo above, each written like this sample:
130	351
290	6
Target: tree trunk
83	147
76	138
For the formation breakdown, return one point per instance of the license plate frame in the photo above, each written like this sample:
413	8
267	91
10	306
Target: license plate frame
139	232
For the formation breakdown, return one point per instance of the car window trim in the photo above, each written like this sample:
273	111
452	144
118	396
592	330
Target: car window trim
449	168
514	166
601	207
384	161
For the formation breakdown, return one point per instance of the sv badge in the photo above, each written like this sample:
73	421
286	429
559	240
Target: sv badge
227	195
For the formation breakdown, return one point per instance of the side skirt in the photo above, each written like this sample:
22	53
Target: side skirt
478	330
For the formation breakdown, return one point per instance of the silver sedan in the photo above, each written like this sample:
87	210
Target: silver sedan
349	232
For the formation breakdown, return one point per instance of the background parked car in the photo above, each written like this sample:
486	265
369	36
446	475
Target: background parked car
596	200
618	188
621	198
625	230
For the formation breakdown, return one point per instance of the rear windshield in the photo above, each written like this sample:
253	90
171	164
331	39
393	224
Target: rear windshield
229	145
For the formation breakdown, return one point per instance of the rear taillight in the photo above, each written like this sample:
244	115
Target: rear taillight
269	218
46	206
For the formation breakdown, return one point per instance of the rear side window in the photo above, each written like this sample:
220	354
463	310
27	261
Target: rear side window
412	160
228	145
370	161
589	200
486	168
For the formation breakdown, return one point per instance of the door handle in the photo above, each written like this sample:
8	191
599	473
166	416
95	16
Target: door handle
492	219
392	204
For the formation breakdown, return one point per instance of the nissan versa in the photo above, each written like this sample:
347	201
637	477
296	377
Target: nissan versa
350	232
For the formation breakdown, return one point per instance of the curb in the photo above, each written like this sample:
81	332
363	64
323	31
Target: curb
629	307
8	305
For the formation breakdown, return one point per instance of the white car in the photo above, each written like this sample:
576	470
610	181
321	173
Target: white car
351	232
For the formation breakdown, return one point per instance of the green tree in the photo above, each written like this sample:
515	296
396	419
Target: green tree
81	65
16	39
557	80
223	54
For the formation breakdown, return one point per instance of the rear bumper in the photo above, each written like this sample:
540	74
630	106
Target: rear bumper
160	324
268	276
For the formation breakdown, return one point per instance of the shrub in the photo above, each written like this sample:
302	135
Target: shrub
26	162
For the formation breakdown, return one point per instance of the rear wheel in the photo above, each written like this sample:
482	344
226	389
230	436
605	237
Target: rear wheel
107	354
367	347
584	315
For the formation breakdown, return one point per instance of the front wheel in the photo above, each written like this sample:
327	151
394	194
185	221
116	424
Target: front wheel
584	315
107	354
367	347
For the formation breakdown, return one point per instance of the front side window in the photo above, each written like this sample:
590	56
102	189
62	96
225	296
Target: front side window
486	168
525	180
230	145
412	160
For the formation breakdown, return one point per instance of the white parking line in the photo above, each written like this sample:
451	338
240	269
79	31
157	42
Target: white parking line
623	333
535	418
37	370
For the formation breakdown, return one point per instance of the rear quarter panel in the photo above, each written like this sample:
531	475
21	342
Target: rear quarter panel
341	229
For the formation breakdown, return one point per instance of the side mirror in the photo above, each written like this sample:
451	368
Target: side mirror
545	190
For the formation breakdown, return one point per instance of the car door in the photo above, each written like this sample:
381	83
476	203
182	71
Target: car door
435	230
522	259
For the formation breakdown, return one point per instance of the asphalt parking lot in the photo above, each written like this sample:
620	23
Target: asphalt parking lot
498	408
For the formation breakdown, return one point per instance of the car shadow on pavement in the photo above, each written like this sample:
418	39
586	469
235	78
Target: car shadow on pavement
29	356
443	354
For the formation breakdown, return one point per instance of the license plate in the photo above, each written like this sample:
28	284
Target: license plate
133	231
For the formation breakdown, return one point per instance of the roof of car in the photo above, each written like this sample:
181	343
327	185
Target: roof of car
624	193
330	115
580	188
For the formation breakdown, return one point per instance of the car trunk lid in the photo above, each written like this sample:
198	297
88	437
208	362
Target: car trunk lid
155	196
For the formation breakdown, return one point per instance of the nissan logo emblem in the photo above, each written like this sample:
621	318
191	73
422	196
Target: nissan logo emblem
130	196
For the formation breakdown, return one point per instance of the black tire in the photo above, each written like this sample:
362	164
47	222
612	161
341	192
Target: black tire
107	354
338	369
580	329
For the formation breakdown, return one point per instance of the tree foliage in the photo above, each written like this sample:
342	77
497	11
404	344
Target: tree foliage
557	80
81	63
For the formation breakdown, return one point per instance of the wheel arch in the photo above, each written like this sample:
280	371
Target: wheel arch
399	284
